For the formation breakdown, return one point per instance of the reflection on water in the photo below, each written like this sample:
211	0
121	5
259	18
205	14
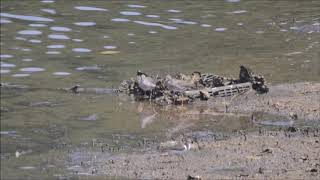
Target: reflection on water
48	45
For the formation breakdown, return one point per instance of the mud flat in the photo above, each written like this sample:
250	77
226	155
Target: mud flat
284	152
291	153
298	100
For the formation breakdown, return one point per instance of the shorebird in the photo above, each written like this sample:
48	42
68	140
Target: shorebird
145	82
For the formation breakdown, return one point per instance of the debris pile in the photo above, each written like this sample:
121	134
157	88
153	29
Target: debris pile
181	88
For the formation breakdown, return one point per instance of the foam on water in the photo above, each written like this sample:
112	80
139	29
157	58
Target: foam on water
136	6
26	18
153	32
38	25
85	23
37	41
32	69
5	71
56	46
88	8
50	11
58	36
84	50
156	24
5	56
5	21
61	73
61	29
130	13
30	32
20	75
120	20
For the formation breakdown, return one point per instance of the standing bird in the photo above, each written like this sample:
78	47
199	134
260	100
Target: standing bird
145	83
245	74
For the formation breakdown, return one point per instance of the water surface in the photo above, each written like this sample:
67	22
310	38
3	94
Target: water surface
47	45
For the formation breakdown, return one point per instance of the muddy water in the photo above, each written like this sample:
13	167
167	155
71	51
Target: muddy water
52	43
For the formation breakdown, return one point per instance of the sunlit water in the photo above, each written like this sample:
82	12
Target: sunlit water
54	44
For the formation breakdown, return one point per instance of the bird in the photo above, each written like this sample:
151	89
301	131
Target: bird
177	84
146	83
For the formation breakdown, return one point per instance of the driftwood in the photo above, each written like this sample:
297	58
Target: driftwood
222	91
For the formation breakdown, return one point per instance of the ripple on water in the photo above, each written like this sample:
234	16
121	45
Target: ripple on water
156	24
38	25
88	68
56	46
120	20
232	1
20	75
4	71
61	29
27	167
152	16
220	29
82	50
53	52
85	23
5	21
50	11
136	6
238	12
88	8
37	41
77	40
32	69
26	18
110	47
61	73
7	65
30	32
5	56
173	11
130	13
205	25
180	21
26	60
58	36
47	1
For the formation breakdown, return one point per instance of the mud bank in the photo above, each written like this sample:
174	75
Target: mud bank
298	101
287	154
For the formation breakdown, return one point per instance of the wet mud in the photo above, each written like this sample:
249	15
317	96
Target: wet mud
286	151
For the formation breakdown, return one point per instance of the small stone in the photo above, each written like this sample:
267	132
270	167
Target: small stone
193	177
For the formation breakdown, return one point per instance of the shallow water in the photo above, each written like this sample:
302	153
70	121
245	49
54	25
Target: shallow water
55	44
